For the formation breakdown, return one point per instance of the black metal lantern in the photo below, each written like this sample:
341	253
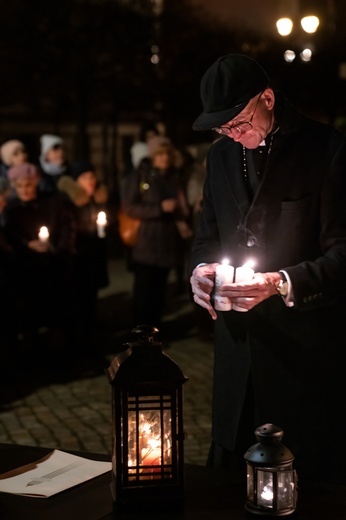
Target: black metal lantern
271	479
148	435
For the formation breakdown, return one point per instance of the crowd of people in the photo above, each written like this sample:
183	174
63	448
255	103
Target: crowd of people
53	256
53	252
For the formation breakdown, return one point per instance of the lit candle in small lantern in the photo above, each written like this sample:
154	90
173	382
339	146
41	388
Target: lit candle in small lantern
224	274
43	234
243	274
271	479
101	223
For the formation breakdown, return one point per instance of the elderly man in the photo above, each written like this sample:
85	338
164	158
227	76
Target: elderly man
275	193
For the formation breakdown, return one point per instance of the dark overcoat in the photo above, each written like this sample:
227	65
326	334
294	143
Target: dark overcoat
159	242
293	355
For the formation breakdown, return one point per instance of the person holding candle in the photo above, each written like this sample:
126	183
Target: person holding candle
275	192
43	261
89	198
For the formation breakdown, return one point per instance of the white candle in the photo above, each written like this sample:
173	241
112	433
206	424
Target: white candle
223	275
151	456
43	234
101	222
243	274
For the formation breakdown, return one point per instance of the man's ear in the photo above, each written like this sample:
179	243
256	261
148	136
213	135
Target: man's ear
269	98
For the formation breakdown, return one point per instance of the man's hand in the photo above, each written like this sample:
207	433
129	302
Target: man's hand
249	294
202	283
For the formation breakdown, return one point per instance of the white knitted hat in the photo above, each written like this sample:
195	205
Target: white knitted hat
48	141
8	148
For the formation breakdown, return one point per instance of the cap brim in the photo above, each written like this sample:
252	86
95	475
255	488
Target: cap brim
210	120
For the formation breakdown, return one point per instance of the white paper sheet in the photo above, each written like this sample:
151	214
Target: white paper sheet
52	474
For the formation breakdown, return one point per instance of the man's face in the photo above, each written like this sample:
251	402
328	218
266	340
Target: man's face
25	188
56	155
87	181
252	125
162	160
19	156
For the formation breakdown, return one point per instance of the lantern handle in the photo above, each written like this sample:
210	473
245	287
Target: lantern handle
145	334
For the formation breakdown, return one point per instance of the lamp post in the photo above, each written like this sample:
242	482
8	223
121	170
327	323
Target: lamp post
287	28
271	479
148	435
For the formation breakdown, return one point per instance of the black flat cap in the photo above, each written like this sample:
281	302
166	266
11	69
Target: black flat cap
227	87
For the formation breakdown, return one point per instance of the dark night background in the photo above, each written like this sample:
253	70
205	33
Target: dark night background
88	62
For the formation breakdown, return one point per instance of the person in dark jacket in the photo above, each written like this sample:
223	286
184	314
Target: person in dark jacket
275	193
154	195
40	228
89	198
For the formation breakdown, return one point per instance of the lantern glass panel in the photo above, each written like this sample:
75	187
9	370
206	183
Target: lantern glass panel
250	483
149	437
286	490
276	488
265	494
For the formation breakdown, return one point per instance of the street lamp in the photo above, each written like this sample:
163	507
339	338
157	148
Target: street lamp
285	27
310	24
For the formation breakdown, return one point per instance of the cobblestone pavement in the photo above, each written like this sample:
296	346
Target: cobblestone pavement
66	403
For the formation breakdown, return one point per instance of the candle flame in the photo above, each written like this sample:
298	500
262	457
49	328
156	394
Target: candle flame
249	263
101	218
267	493
154	443
225	261
43	233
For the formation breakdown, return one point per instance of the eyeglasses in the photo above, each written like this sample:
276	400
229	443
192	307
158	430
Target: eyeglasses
240	128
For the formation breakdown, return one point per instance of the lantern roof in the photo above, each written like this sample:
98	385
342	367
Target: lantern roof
144	361
269	450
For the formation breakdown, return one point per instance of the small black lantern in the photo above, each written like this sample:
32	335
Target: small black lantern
148	435
271	479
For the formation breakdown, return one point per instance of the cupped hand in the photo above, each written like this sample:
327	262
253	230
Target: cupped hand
202	283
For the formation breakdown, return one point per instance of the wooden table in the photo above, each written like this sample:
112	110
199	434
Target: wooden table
209	495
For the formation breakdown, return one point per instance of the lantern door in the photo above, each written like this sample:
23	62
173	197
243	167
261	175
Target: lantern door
149	455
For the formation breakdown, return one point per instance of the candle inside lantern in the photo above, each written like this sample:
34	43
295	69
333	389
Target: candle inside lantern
101	222
43	234
267	493
151	456
224	274
243	274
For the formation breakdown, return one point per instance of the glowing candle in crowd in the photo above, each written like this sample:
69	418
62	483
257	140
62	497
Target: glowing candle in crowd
101	222
243	274
43	234
223	275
